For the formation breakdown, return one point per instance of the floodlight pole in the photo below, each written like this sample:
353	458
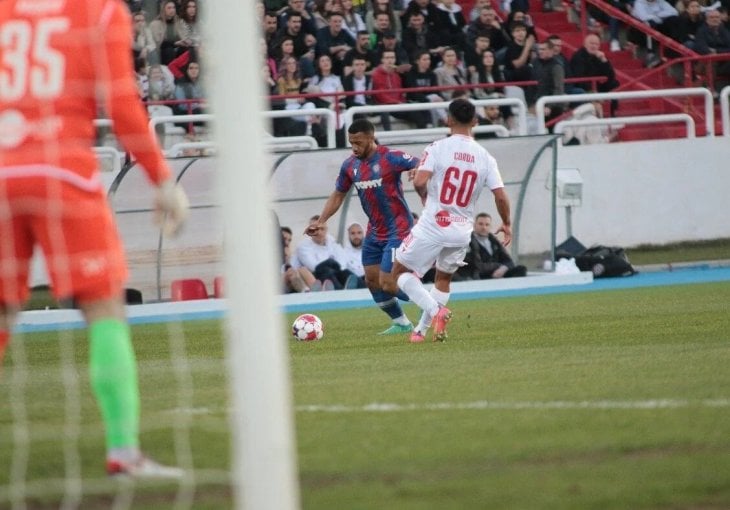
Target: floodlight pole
264	451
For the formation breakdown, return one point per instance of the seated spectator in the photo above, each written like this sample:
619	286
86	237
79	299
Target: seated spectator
385	81
520	17
713	37
450	73
429	11
591	61
390	43
290	83
321	12
383	7
332	40
357	81
421	75
473	55
361	50
381	26
518	66
161	83
306	19
167	31
190	26
557	44
488	72
140	71
476	10
353	252
323	256
486	256
659	15
352	22
143	43
488	24
418	38
304	42
270	23
283	49
325	81
451	24
550	78
190	88
295	279
491	116
689	22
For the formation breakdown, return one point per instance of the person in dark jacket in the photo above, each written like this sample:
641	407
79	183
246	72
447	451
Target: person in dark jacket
486	257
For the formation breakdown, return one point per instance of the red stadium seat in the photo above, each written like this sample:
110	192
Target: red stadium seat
218	287
188	289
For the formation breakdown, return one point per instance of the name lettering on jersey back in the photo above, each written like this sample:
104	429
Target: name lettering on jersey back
464	156
374	183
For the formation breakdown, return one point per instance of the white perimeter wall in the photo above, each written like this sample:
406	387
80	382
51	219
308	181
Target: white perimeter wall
633	192
650	192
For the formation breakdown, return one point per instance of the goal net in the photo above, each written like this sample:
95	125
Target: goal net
215	396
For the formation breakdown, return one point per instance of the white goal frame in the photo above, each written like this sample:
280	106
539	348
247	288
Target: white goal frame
264	450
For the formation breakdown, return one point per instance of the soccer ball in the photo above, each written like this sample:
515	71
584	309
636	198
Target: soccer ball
307	327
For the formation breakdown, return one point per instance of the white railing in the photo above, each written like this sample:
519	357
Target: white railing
113	154
410	107
322	112
291	143
725	111
175	150
689	122
403	135
634	94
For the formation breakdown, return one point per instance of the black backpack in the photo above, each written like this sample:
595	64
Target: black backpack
605	261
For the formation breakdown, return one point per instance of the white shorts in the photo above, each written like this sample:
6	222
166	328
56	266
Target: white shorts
419	255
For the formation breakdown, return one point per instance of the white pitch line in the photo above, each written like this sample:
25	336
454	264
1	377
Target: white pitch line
385	407
377	407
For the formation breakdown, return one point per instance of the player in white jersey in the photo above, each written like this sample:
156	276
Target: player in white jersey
452	173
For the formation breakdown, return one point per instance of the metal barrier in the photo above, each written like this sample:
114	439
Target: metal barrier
177	148
689	122
725	111
410	107
637	94
323	112
411	135
292	143
116	157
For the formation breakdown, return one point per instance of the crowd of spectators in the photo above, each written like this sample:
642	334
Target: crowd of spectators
166	48
372	48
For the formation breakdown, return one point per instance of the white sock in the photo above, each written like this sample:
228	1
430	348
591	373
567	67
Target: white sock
441	298
417	292
402	320
124	454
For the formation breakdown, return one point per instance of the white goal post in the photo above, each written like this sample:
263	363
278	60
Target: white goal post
264	453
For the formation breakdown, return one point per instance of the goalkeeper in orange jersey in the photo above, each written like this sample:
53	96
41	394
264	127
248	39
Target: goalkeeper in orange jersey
59	61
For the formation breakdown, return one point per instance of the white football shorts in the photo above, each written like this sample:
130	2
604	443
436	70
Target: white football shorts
419	255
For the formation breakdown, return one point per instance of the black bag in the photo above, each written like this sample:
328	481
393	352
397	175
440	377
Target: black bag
605	261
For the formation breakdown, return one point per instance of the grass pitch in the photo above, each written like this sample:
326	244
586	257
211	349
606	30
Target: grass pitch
614	399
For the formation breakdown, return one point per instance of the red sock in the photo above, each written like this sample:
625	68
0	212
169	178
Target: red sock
4	338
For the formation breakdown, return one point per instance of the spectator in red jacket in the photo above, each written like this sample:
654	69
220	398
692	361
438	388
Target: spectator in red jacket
387	80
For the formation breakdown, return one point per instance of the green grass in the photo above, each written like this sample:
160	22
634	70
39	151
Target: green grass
715	249
535	359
